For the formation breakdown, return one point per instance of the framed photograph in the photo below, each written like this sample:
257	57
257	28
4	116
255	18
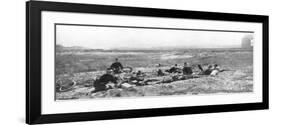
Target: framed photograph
94	62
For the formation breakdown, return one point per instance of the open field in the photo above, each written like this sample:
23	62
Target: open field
85	67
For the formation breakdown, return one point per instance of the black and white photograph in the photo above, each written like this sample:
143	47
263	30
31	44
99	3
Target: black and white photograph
112	61
96	62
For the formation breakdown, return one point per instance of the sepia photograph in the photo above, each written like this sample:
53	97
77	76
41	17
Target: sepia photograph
109	61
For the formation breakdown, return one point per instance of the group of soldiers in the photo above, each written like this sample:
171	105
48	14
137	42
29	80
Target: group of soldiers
212	70
111	80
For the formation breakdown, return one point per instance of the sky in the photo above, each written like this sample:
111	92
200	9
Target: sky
139	38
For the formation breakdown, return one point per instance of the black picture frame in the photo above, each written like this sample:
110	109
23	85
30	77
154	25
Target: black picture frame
33	61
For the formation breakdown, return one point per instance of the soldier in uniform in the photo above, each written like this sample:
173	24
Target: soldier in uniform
116	66
106	81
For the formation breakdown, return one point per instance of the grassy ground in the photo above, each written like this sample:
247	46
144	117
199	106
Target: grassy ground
87	66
